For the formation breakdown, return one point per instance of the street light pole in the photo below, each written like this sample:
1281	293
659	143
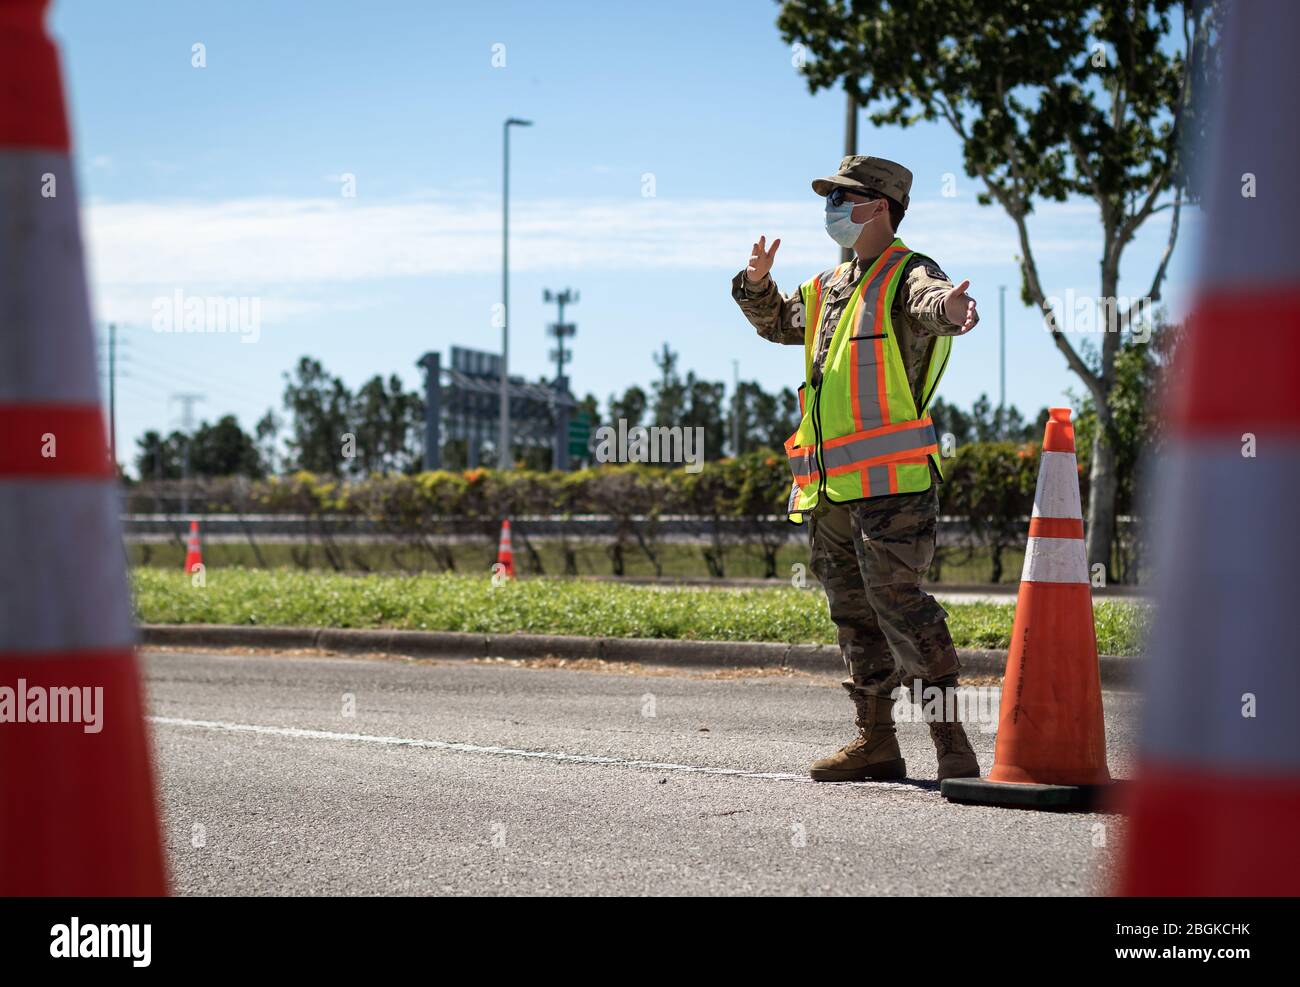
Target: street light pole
503	436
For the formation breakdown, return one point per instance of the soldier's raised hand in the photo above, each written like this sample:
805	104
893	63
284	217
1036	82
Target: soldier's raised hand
760	260
959	307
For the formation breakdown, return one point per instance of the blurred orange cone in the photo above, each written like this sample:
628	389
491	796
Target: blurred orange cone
1051	746
505	553
193	550
1216	801
77	814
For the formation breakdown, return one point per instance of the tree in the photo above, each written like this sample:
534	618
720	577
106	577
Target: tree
318	405
766	420
704	410
224	449
267	431
1050	99
388	423
159	458
985	423
1142	376
630	407
669	393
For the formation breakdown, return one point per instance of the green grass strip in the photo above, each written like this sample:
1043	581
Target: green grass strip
553	606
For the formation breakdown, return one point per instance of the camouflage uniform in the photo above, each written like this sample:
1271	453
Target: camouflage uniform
870	555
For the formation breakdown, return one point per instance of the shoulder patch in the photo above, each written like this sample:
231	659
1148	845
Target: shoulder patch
927	264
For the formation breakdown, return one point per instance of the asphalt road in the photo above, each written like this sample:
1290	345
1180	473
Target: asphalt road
490	778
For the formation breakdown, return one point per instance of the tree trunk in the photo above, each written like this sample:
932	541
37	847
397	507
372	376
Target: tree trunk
1103	485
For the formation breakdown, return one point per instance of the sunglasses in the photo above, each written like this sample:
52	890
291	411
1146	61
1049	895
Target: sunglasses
837	196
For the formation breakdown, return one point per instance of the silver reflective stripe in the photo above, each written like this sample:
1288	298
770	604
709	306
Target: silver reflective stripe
904	440
802	463
865	350
878	480
794	498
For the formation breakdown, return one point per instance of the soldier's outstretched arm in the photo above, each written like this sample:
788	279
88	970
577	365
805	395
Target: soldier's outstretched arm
777	317
936	305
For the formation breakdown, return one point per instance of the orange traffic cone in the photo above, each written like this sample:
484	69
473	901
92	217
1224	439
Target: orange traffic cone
78	814
505	553
193	550
1216	796
1051	746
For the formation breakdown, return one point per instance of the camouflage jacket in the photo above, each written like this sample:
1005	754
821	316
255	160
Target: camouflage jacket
917	312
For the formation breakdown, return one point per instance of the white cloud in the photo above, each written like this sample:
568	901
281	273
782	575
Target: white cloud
241	244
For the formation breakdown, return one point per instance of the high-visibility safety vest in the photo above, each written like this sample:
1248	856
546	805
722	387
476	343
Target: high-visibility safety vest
861	434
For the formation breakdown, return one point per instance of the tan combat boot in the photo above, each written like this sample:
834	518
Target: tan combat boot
956	756
874	755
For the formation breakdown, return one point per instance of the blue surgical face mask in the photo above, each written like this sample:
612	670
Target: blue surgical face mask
840	225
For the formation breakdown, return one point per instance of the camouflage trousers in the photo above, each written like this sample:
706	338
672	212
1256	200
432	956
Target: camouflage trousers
869	556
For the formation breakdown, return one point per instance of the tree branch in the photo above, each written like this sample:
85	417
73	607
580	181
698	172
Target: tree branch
1153	295
1015	207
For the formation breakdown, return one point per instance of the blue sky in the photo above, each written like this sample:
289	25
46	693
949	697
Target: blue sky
226	180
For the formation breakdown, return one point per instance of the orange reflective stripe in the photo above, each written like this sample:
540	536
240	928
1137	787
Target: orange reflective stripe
803	462
908	443
874	432
887	459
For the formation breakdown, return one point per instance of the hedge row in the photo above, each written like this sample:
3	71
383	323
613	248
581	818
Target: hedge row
734	501
984	481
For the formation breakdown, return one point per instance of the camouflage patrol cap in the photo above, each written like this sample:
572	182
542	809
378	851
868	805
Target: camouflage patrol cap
863	173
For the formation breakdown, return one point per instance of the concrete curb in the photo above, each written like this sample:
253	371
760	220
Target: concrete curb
1009	590
1116	672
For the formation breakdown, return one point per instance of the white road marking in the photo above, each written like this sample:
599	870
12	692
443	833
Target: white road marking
444	745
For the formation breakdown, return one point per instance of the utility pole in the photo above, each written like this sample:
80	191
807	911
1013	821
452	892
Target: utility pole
561	330
503	436
187	400
850	147
1002	355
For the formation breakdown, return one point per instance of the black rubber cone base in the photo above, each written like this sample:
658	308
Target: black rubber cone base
1065	798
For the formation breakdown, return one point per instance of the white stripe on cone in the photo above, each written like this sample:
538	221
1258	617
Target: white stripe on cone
1224	634
63	584
1057	491
45	348
1055	560
1056	495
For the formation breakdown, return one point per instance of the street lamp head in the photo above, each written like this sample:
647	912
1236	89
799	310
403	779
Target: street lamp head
514	122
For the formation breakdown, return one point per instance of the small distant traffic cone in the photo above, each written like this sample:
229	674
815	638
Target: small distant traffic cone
193	550
1051	746
505	553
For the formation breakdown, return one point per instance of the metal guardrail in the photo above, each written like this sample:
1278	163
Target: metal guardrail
217	528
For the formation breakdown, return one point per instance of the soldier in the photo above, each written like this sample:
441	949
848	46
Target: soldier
876	332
